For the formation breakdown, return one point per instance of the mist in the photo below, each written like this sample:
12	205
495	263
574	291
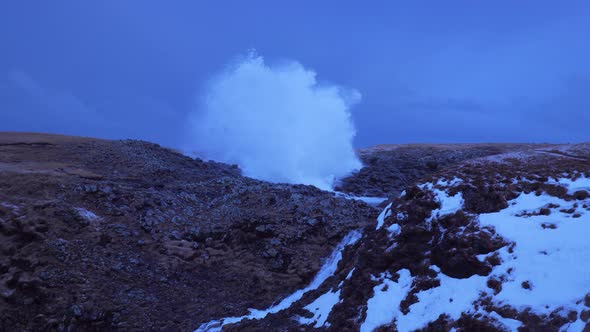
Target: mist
277	122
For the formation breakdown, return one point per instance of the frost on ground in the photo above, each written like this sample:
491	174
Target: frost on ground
326	271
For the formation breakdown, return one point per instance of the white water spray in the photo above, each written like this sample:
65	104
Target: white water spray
277	123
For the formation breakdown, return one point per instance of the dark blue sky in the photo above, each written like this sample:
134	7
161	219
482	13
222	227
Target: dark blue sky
429	71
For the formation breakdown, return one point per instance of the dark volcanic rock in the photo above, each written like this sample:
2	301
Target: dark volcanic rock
126	235
483	200
389	169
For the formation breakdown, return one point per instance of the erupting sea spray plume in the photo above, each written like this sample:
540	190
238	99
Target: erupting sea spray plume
277	123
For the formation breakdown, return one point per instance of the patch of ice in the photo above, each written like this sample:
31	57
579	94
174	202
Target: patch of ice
384	214
321	309
326	271
448	204
383	307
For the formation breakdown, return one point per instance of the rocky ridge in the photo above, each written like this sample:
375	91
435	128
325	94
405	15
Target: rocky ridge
482	245
389	169
126	235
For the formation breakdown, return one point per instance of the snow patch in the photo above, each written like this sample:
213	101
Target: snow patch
510	324
548	268
383	307
394	229
327	270
384	214
581	183
426	185
542	257
452	297
350	273
321	309
448	204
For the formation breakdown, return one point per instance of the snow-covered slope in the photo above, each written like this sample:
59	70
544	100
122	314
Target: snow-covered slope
325	272
494	244
543	270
